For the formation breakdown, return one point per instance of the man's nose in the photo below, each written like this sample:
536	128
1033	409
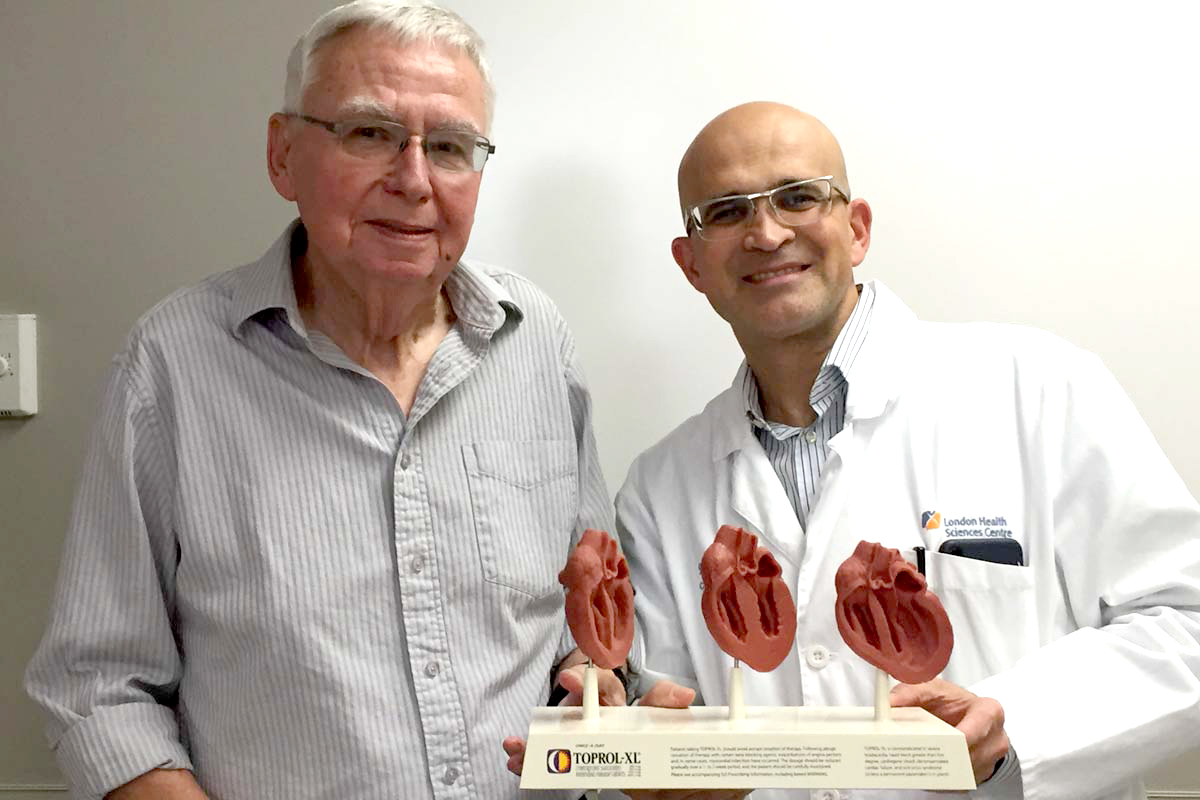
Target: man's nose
408	173
764	231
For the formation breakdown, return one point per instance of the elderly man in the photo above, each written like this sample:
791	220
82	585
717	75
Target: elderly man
1060	540
315	547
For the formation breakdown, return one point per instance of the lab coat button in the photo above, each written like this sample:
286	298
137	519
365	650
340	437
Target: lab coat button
817	656
432	669
450	777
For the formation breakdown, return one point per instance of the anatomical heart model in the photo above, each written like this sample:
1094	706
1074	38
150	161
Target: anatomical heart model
599	599
747	606
887	616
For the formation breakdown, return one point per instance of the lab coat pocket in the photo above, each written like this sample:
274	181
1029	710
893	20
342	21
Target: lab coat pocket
993	610
523	502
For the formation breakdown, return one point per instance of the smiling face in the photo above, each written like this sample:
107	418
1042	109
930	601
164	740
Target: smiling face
380	225
775	282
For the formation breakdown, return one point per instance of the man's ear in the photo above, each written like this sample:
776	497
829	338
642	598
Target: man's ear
279	145
685	257
860	230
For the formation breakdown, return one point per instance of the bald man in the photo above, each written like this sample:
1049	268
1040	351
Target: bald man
990	449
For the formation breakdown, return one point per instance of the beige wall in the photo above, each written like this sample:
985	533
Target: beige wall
131	162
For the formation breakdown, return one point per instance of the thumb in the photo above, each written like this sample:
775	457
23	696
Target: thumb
909	694
667	694
571	678
944	700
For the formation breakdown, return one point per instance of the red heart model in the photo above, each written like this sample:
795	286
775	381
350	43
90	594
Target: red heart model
747	606
887	616
599	599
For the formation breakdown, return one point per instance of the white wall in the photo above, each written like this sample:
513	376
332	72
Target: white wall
1027	166
1027	162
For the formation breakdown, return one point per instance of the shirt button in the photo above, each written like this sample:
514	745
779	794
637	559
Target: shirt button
431	671
817	657
810	437
418	564
405	461
451	776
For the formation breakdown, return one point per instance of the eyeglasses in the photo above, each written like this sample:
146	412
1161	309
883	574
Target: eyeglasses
381	140
793	204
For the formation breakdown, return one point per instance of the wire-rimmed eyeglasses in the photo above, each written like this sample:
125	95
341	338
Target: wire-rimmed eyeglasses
381	140
793	204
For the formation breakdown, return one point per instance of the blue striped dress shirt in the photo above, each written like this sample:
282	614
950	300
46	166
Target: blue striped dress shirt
798	454
274	578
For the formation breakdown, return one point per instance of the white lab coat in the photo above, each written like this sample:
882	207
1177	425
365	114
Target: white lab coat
1091	648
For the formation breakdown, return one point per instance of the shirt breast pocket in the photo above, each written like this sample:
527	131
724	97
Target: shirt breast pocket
524	503
993	608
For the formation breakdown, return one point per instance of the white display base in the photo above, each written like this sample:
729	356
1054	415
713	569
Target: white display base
638	747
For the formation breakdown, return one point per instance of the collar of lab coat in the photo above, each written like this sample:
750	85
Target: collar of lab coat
873	382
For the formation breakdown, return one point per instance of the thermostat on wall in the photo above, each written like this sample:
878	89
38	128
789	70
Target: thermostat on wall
18	365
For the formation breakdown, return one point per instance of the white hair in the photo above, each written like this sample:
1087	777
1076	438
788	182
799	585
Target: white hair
408	20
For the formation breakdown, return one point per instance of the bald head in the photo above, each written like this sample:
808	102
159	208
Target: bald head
757	141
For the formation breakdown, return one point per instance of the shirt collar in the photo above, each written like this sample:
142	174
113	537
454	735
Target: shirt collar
835	369
478	300
879	373
266	284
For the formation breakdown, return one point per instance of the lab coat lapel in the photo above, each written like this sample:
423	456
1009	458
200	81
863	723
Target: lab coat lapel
832	534
755	493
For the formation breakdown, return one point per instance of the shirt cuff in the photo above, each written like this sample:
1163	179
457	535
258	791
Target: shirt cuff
117	744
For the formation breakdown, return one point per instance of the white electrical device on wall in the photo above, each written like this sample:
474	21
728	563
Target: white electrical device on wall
18	365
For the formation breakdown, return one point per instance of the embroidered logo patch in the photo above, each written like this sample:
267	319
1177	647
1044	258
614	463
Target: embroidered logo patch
980	526
931	520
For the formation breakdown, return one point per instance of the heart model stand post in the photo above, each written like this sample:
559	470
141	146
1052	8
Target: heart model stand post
885	615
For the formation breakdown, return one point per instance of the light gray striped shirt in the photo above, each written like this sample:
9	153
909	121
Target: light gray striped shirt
798	454
274	578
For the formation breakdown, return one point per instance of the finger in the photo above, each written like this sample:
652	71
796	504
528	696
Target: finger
608	686
515	748
982	719
667	694
943	699
906	694
983	727
915	694
571	679
612	691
